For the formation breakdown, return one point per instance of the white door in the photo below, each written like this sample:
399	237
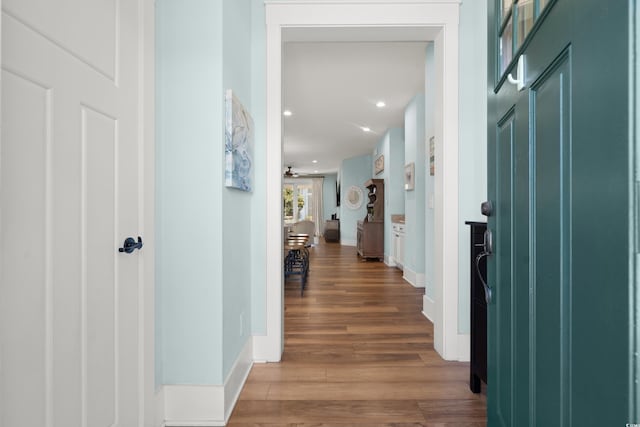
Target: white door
71	191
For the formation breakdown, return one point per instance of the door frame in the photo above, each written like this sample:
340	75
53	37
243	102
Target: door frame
151	407
439	15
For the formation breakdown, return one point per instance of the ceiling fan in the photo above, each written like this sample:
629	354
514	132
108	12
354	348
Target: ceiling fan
289	174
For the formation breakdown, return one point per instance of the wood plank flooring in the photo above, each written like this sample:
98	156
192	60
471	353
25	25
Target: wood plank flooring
358	352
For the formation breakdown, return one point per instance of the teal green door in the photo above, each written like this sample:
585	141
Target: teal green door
560	351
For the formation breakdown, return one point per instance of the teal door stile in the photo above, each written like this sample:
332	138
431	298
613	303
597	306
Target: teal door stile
561	321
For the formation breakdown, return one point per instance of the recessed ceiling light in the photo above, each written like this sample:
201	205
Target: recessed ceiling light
366	129
314	161
287	113
315	171
380	104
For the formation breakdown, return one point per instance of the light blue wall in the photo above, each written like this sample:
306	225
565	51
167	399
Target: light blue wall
391	146
236	205
204	293
414	200
189	183
329	195
195	62
353	171
429	230
472	137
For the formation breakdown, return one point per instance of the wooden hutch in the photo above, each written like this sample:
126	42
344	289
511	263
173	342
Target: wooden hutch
370	241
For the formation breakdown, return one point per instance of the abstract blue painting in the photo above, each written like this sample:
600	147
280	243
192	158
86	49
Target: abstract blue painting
238	145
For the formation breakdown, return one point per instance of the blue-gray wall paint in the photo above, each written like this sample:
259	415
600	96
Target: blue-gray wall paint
204	295
353	171
414	200
429	227
236	205
472	127
189	165
391	146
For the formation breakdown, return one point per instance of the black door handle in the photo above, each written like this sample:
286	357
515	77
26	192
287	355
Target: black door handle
131	245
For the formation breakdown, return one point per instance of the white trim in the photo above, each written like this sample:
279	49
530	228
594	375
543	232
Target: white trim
428	308
193	405
159	407
446	212
345	242
237	377
390	261
441	16
207	405
417	280
149	403
464	347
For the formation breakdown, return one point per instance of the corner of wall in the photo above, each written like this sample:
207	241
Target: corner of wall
205	405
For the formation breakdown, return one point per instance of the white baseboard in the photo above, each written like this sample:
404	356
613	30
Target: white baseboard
417	280
464	347
194	405
389	261
207	405
159	407
237	377
344	242
429	308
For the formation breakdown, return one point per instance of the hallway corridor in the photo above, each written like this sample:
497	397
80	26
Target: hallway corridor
358	351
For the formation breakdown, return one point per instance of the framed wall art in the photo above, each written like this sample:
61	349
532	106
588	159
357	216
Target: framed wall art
238	145
432	156
379	164
409	176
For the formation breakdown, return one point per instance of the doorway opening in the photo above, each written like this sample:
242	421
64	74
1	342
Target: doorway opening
418	22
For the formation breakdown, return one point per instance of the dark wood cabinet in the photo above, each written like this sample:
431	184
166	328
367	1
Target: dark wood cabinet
370	243
478	365
371	239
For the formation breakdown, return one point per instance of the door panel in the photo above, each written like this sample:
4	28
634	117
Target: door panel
560	321
26	252
503	318
550	116
71	190
98	217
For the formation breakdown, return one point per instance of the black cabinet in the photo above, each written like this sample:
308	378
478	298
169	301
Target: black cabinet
478	305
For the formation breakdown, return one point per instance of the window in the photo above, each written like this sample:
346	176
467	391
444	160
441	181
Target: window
517	19
300	191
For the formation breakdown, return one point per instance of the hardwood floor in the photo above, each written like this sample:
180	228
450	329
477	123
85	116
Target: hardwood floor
358	352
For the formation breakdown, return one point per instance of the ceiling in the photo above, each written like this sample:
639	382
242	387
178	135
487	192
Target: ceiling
332	80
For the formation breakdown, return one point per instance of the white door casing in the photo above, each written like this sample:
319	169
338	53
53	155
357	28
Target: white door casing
75	180
439	15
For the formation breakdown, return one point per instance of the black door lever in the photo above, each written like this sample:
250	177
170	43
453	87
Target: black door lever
131	245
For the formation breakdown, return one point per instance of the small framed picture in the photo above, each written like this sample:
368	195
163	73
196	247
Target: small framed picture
379	164
409	176
432	156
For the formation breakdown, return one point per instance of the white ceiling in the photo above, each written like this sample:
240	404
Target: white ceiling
332	79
